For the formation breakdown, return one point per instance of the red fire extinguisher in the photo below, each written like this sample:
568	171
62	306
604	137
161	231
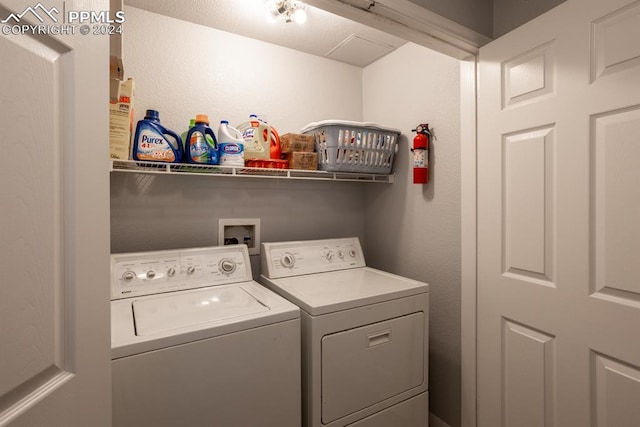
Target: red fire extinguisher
421	154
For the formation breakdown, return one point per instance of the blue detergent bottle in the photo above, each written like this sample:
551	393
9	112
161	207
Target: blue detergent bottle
155	143
200	146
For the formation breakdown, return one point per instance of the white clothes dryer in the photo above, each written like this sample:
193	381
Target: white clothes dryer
364	334
196	342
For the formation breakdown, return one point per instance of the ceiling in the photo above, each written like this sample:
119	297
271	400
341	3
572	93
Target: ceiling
324	34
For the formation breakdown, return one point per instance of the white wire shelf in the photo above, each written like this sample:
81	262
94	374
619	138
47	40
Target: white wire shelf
133	166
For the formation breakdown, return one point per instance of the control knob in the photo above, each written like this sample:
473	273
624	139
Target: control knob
190	270
227	266
288	260
171	272
151	274
128	276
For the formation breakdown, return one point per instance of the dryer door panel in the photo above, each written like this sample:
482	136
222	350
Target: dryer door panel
366	365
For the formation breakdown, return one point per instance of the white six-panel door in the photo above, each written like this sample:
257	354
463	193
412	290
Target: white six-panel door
54	223
559	220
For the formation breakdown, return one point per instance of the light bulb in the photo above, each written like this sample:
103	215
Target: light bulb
299	16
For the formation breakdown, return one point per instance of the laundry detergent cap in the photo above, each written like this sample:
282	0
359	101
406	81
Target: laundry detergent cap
202	118
152	115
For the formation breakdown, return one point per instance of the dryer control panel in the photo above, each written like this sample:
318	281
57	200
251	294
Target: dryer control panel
286	259
146	273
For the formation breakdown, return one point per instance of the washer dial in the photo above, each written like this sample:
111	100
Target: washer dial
128	276
288	260
327	254
227	266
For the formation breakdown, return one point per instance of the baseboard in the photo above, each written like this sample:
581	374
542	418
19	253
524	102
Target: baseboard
436	422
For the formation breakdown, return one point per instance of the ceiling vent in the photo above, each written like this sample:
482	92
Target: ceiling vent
359	51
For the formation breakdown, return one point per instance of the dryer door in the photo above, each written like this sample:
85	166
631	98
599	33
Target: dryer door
369	364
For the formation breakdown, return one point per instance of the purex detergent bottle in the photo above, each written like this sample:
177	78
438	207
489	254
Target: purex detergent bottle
200	146
155	143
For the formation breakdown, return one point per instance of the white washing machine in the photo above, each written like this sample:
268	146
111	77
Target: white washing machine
196	342
364	334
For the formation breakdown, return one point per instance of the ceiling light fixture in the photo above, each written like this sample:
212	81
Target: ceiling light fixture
289	10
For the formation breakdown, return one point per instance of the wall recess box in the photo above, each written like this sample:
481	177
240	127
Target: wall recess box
240	230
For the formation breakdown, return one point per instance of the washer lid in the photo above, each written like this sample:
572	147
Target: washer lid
153	322
323	293
169	312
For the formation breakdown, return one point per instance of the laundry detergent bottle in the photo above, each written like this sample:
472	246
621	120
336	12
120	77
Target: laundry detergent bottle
261	141
201	146
155	143
230	145
183	135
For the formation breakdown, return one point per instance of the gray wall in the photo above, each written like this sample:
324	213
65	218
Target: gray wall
474	14
491	18
153	212
510	14
414	230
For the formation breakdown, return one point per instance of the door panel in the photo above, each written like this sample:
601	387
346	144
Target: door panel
616	392
54	227
528	205
616	204
558	236
31	254
611	50
527	357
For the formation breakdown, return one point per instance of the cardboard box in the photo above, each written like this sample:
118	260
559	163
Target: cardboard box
292	142
121	122
303	160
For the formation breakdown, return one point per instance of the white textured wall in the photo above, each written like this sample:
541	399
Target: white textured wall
182	69
414	230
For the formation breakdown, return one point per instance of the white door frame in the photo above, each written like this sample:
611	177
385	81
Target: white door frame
468	218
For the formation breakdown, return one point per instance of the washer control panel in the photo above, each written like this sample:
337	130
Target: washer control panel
285	259
145	273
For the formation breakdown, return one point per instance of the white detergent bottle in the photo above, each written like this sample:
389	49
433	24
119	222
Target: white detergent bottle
230	145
